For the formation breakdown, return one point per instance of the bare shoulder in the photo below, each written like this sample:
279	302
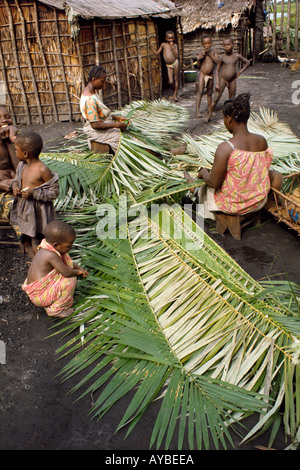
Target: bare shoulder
46	173
260	141
223	150
44	256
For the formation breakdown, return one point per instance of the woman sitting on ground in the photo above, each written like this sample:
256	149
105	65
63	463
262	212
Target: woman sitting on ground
102	128
240	178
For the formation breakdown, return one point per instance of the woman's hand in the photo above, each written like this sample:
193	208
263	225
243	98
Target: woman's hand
5	185
119	118
122	125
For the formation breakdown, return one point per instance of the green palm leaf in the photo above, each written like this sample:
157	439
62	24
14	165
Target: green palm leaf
151	303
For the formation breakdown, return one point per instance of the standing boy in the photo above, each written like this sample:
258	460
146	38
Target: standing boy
170	55
35	187
226	74
206	61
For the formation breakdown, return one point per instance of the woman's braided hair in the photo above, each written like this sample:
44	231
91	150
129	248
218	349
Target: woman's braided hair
238	108
96	72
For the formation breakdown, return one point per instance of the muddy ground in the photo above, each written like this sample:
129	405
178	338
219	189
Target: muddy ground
36	411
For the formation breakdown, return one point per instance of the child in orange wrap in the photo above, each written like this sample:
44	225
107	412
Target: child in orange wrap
51	279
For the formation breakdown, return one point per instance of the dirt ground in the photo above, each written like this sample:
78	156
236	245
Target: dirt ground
36	410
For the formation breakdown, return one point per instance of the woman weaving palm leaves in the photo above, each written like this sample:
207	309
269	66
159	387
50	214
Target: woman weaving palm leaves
103	129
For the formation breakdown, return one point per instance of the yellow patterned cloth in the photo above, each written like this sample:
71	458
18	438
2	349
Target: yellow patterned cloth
6	203
54	292
93	109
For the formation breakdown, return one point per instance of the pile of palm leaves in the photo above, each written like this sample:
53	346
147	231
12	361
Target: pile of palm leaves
166	312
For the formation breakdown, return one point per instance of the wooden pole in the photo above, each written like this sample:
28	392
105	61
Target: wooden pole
34	85
126	60
77	45
16	59
116	63
39	41
268	21
282	16
2	65
95	33
62	65
149	61
288	24
139	58
297	26
274	26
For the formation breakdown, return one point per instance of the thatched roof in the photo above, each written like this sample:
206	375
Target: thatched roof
114	8
206	14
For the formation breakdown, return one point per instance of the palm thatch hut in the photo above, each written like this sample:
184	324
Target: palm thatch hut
47	48
199	17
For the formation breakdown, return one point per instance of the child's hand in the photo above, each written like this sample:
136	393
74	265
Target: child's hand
26	193
82	272
218	89
4	131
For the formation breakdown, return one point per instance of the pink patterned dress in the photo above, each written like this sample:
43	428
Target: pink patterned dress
54	292
246	183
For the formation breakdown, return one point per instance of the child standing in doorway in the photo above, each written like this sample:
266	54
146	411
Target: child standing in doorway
169	50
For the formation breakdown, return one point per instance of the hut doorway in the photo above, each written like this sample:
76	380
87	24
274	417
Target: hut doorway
164	25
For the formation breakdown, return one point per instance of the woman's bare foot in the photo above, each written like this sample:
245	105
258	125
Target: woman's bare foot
179	150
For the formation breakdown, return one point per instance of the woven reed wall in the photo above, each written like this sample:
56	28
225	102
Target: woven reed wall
43	70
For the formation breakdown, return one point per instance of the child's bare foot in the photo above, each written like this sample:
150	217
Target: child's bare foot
64	313
207	119
198	114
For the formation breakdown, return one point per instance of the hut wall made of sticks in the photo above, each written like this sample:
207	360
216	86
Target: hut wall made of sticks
44	65
199	17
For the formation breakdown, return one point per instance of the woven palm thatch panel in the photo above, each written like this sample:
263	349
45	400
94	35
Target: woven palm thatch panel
205	14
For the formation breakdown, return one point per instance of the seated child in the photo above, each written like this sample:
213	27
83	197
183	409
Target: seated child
35	187
51	279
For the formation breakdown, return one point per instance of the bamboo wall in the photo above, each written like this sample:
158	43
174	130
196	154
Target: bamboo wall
43	70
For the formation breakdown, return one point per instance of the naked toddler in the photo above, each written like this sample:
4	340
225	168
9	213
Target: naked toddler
169	50
206	61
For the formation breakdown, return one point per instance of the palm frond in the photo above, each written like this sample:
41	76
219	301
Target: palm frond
178	329
285	144
166	311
